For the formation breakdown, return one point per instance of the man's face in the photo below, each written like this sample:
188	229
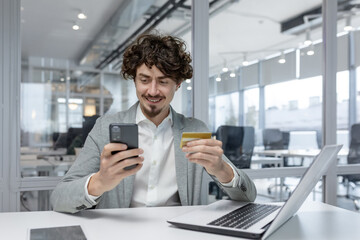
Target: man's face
155	92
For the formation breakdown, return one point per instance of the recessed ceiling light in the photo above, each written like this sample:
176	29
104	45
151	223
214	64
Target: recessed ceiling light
189	88
310	52
348	28
188	80
307	42
75	27
282	60
82	16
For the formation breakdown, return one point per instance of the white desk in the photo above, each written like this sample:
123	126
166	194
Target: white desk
43	151
40	166
277	161
314	221
60	166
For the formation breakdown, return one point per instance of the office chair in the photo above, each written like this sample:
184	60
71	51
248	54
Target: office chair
286	139
301	140
87	126
273	139
60	140
353	158
73	139
238	145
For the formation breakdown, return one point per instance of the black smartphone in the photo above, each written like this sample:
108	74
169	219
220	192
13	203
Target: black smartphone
126	133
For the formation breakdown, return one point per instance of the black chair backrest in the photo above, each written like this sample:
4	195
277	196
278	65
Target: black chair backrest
273	139
238	144
72	133
354	150
286	139
61	140
87	126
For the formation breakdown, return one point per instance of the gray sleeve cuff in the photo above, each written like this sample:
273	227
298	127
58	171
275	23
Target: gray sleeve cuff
234	181
92	199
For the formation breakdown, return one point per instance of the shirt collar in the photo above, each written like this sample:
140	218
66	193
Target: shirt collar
140	117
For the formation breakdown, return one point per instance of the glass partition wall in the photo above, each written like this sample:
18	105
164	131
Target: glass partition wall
61	98
276	76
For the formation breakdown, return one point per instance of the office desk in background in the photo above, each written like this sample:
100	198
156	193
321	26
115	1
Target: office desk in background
314	221
296	153
43	151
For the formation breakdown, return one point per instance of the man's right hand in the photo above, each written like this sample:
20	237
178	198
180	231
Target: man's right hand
112	170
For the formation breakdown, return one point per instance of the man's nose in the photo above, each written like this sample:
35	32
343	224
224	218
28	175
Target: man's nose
153	90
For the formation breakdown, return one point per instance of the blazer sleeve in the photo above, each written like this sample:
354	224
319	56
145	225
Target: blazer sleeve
244	189
69	195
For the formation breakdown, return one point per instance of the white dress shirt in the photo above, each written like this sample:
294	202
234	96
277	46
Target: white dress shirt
155	183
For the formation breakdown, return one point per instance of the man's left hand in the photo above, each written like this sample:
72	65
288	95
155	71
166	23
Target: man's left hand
208	153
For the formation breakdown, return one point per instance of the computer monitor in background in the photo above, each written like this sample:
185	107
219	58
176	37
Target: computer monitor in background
88	124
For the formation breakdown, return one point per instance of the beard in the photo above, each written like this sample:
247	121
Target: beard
153	112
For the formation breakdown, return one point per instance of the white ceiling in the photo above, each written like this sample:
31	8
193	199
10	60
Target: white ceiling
47	26
245	26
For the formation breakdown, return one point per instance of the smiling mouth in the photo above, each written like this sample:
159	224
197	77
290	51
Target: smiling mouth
153	100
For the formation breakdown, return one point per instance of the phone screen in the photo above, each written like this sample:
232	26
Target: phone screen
126	133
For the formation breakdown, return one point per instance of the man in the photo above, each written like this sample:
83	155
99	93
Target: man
165	175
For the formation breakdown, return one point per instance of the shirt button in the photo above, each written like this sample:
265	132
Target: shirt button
154	162
155	137
151	187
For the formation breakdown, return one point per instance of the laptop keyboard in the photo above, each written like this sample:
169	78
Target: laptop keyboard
244	217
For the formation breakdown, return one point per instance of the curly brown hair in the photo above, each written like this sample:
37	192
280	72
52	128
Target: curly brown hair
167	53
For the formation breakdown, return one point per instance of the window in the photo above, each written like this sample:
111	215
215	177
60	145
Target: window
227	109
294	104
251	107
342	91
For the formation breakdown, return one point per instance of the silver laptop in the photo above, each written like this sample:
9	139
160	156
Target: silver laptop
253	220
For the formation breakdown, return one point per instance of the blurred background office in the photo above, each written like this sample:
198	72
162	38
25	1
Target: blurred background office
265	77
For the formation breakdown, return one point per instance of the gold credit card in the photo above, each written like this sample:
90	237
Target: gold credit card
190	136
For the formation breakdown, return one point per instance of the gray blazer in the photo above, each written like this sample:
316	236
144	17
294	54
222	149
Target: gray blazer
69	195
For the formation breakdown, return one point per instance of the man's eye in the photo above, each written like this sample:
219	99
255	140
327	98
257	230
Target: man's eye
143	80
163	82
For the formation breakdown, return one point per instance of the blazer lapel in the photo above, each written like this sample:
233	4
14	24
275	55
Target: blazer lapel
181	163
